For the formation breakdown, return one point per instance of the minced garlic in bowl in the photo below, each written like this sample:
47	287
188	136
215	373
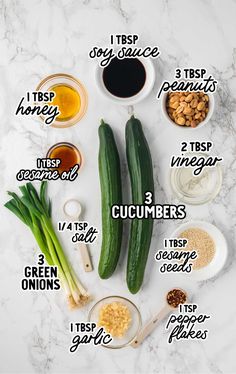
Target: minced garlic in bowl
119	317
115	318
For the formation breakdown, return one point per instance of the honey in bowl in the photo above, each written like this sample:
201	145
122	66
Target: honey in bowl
68	101
71	98
67	153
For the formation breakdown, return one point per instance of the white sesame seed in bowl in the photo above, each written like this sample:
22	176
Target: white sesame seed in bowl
209	243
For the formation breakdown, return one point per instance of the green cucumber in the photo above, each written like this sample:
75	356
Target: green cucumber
141	178
111	193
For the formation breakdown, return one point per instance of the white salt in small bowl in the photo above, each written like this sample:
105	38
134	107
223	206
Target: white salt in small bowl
221	250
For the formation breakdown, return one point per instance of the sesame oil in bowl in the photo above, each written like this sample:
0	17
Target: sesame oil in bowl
67	153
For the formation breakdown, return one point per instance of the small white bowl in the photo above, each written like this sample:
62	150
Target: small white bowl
148	85
221	250
201	124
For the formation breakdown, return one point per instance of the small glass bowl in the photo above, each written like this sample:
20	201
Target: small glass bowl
135	325
55	79
214	181
66	144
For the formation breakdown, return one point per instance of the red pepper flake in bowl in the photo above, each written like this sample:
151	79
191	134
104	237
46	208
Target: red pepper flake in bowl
176	297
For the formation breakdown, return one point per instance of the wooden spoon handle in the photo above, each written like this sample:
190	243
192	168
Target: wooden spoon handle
150	326
86	260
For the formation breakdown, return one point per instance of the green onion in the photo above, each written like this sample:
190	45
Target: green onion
34	210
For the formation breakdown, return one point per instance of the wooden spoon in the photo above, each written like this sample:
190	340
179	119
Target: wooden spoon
151	325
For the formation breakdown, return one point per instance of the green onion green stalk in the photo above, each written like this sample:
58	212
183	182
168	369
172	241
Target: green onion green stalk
34	210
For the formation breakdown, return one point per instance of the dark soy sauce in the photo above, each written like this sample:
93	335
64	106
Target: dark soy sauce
124	78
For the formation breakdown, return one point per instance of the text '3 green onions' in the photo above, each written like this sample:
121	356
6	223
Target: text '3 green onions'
34	210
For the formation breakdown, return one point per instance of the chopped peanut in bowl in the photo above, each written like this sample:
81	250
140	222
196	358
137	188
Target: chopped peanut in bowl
187	109
115	318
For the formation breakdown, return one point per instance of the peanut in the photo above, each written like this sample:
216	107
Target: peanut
201	106
174	105
180	121
187	108
179	109
189	98
174	98
194	103
198	115
188	111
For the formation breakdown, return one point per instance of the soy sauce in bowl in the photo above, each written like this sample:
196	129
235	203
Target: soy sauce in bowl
124	78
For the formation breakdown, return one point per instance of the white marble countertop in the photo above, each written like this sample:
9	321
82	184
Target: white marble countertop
41	37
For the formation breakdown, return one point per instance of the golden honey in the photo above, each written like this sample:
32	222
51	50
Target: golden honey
68	101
